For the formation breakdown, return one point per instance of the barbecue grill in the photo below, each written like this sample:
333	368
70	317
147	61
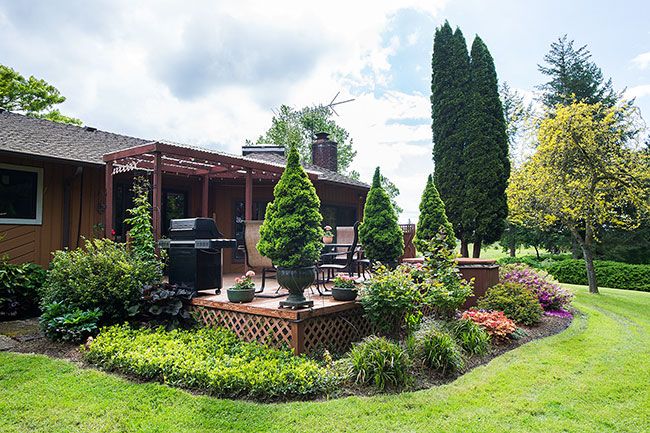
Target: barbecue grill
195	259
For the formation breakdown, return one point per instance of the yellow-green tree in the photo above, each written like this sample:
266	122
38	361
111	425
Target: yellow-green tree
585	175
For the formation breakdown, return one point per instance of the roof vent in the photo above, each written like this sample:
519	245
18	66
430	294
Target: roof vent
90	128
264	148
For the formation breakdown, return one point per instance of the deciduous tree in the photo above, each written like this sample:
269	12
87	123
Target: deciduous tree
31	96
298	127
585	175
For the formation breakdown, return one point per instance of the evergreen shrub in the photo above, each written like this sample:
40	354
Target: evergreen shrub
291	235
19	286
380	234
608	274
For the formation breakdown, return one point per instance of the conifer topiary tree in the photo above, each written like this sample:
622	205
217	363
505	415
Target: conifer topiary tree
380	234
432	218
291	235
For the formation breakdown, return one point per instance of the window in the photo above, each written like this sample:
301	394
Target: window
174	206
335	216
21	194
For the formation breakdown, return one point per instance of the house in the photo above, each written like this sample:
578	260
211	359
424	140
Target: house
60	183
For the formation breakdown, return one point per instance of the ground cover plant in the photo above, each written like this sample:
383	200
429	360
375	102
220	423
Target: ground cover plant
593	377
210	360
61	322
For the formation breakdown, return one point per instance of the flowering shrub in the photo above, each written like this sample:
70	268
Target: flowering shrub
550	295
245	282
344	282
559	313
495	323
416	271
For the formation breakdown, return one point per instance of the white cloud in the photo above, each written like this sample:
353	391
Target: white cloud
642	61
209	73
638	91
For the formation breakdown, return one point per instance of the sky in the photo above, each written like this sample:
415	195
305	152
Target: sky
210	73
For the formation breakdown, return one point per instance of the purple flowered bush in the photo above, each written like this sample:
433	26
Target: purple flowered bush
551	296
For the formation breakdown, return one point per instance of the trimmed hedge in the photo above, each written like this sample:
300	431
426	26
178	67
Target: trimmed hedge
543	262
608	274
213	360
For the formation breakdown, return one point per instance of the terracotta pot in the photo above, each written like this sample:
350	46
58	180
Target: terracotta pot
328	239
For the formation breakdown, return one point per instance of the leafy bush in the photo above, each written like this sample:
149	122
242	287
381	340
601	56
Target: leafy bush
469	335
167	305
549	294
19	285
390	299
495	323
515	300
438	350
608	274
291	235
443	287
380	234
379	362
101	275
62	323
213	360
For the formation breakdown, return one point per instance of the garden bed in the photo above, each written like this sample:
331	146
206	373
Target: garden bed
37	344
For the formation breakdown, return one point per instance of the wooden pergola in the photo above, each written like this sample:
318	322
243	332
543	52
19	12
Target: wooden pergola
162	157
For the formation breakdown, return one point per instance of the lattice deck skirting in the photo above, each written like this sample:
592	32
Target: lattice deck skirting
305	331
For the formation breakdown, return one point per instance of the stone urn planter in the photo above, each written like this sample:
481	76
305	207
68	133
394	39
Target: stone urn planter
328	236
328	239
296	280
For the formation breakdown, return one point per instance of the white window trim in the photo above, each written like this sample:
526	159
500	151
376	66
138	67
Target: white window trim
39	196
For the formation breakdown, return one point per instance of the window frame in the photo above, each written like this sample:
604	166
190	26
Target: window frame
39	196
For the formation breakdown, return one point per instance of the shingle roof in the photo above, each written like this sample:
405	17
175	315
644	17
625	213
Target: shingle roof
40	137
22	134
323	173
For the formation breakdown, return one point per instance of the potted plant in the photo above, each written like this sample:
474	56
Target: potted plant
291	235
344	288
243	290
328	236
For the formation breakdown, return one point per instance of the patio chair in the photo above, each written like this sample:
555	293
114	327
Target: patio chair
346	235
256	260
347	265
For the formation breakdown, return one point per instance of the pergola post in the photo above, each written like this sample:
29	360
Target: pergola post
205	197
108	211
248	197
157	195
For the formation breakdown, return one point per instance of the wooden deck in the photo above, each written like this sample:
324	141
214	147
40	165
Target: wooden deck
329	324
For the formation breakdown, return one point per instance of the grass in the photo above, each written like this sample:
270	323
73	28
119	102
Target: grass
593	377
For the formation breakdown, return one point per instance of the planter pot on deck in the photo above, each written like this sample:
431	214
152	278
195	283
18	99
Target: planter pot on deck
296	280
344	293
241	296
328	239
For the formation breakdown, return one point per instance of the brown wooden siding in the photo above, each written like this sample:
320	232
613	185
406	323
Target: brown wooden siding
34	243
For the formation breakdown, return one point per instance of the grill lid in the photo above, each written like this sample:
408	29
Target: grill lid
193	228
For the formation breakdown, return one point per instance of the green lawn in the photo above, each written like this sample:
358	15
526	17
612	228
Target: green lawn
593	377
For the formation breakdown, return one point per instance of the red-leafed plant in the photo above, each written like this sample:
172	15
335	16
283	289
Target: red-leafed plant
494	323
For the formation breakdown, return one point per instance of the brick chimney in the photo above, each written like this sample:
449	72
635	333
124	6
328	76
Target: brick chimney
324	152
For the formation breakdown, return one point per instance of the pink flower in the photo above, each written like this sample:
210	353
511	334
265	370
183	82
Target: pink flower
250	274
237	280
328	228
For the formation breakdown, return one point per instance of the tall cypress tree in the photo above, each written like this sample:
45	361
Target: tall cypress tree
432	218
487	166
380	233
449	112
